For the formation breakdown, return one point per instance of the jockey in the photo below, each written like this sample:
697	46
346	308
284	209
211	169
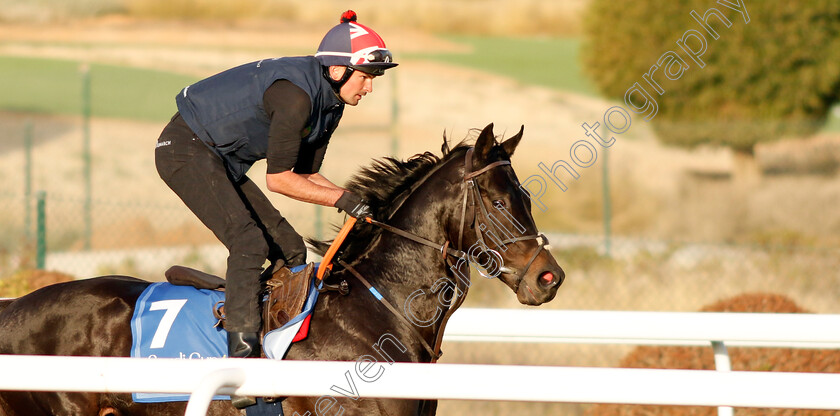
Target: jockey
283	110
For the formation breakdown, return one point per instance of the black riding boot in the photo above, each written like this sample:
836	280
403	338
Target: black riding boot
243	345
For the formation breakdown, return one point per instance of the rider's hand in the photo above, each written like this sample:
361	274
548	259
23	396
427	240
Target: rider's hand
353	205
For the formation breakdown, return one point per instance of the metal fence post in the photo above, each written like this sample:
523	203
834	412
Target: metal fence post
607	205
41	234
27	182
395	109
86	158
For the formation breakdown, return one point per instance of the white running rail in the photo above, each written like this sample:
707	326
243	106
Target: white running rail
712	329
793	330
722	388
421	381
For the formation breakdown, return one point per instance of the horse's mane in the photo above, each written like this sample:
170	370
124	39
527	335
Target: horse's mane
384	182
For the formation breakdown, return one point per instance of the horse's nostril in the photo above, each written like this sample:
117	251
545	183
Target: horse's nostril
546	278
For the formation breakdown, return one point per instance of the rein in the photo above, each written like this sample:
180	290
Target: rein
435	352
461	287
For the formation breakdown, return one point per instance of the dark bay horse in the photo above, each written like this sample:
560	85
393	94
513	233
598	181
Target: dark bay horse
468	201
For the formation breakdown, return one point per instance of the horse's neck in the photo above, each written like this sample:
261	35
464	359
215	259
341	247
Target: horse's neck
400	267
409	275
408	265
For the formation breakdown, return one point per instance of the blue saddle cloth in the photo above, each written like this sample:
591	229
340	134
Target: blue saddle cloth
177	322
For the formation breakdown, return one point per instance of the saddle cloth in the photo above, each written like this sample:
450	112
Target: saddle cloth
172	321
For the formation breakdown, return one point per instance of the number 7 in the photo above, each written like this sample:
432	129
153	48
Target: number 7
172	307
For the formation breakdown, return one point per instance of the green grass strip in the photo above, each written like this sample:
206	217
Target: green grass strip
55	87
548	62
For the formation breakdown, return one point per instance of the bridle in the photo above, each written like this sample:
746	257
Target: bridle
493	228
471	197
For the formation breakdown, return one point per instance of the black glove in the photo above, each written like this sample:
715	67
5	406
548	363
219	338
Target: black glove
353	205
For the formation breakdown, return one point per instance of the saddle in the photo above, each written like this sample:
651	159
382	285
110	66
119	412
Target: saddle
284	292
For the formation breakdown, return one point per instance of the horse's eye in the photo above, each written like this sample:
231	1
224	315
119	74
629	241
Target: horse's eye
500	203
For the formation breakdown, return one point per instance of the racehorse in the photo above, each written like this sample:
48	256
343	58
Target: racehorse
466	206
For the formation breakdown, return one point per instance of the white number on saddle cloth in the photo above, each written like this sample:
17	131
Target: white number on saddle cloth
172	307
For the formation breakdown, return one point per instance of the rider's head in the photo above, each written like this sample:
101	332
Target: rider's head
352	47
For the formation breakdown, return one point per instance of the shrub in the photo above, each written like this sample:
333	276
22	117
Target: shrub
743	359
772	77
25	281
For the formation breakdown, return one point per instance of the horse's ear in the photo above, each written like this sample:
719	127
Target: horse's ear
444	148
510	144
485	142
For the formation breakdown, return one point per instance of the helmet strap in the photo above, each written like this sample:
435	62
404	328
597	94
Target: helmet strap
336	85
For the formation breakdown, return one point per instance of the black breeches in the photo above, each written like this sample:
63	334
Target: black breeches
238	213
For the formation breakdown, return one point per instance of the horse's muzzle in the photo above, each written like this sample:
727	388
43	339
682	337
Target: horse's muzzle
540	284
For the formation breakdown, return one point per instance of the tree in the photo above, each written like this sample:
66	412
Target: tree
731	73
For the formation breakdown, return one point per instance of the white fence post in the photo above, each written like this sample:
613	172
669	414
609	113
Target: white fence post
722	363
203	394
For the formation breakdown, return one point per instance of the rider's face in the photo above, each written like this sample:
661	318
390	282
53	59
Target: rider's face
356	87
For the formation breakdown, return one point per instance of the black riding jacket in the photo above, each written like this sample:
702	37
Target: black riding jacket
256	111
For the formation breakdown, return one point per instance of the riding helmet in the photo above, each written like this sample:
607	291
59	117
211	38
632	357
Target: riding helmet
356	46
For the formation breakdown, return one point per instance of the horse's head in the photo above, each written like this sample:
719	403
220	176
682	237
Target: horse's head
469	198
502	238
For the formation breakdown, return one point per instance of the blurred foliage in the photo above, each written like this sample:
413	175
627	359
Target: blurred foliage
819	155
485	17
207	9
26	280
56	10
15	285
775	76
